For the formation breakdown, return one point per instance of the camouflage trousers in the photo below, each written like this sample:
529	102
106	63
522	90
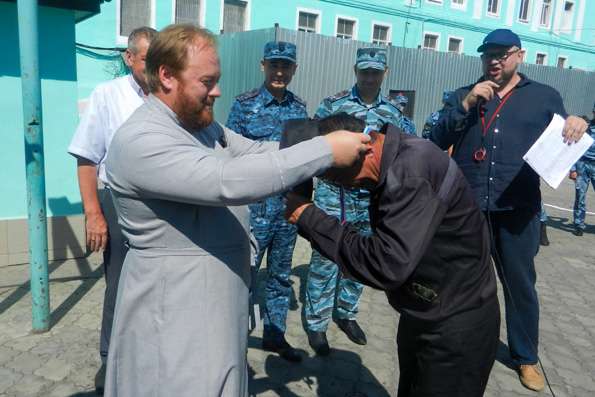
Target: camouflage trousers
326	289
585	170
277	238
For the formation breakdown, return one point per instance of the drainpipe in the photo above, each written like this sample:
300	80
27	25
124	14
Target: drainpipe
32	122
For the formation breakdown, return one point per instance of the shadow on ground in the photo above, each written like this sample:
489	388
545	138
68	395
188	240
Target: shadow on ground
341	374
87	275
566	225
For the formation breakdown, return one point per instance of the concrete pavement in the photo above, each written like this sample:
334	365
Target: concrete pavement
63	361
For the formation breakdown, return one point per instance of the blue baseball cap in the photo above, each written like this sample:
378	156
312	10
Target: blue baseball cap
371	58
500	38
280	50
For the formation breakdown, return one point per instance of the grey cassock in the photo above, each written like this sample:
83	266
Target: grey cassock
180	327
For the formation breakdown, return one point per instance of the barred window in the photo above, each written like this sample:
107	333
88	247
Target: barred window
430	41
234	16
454	45
307	22
187	11
540	59
134	14
524	10
345	28
493	7
546	11
380	34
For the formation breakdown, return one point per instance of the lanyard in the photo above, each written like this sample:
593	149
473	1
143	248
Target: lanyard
342	202
484	127
366	131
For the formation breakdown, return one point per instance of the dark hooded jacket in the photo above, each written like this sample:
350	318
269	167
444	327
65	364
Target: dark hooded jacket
430	254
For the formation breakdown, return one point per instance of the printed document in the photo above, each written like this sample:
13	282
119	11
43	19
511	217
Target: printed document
550	157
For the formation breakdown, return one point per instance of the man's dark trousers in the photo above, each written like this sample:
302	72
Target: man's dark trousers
113	259
515	245
450	359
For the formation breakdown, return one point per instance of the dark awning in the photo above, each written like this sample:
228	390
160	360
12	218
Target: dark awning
83	9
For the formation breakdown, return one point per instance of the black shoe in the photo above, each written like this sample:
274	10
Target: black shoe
282	348
577	232
100	380
543	239
352	330
319	343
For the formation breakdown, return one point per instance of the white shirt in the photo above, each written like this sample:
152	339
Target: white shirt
110	105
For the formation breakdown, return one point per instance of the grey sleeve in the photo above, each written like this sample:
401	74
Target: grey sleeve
159	166
240	145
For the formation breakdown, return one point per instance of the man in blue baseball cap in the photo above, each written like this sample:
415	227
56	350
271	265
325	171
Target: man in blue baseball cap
260	115
492	123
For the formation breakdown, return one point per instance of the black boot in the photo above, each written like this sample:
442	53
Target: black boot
281	347
352	330
577	231
319	343
543	239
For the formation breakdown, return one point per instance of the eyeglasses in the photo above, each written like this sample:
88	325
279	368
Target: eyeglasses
498	56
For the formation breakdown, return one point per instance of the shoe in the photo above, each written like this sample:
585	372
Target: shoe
530	377
100	380
352	330
282	348
543	239
319	343
577	232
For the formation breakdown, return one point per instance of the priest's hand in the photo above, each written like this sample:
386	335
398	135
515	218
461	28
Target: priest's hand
294	206
347	147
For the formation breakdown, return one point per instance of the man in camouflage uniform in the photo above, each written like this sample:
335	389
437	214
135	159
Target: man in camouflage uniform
582	173
407	124
260	114
432	120
325	285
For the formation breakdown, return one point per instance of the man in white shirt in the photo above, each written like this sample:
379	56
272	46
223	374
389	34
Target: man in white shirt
110	104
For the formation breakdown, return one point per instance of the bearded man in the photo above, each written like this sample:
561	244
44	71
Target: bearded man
180	183
492	123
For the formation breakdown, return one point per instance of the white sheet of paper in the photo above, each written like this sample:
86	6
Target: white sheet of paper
550	157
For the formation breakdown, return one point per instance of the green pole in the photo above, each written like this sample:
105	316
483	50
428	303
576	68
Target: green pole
31	86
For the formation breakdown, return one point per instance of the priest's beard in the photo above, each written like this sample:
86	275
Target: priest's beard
193	113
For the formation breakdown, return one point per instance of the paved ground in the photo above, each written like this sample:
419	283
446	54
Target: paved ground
63	361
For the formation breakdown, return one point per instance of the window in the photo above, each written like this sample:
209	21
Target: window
345	28
187	11
562	62
435	1
455	45
458	4
307	22
234	16
546	10
541	59
494	7
431	41
567	15
134	14
380	34
524	11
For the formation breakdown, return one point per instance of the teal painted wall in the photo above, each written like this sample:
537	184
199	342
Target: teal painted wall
59	95
408	26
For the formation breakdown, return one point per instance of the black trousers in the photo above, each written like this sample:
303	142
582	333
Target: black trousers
449	359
